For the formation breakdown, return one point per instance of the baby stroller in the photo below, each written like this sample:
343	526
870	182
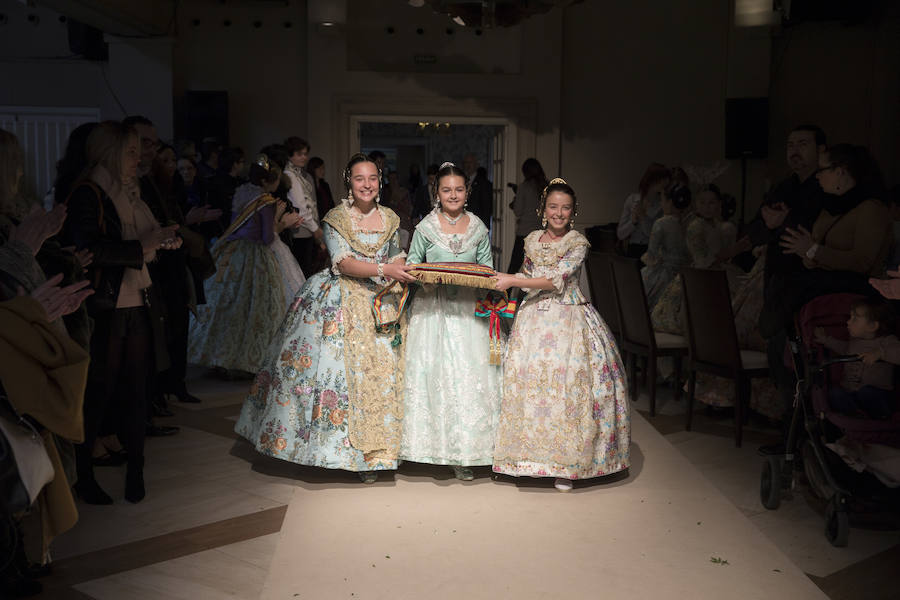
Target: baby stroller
814	425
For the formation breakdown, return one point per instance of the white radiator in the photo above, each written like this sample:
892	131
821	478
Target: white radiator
43	132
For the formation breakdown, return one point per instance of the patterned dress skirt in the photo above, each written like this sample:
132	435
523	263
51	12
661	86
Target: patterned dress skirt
244	305
565	406
452	393
298	407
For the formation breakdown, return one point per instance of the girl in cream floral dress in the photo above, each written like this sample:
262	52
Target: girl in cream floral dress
564	412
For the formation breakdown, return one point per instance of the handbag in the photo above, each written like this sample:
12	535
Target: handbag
25	467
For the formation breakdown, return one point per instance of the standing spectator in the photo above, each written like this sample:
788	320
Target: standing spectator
380	160
210	150
642	209
526	206
424	197
308	241
70	167
481	195
414	180
324	199
107	216
396	197
221	186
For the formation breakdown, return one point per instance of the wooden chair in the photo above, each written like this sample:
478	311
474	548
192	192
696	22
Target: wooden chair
713	341
637	335
603	297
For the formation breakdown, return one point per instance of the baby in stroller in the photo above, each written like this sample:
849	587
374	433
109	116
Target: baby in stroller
867	387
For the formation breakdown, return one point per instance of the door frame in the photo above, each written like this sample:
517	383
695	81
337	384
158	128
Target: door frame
517	116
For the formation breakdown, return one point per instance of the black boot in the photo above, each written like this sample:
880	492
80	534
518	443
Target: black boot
15	582
134	481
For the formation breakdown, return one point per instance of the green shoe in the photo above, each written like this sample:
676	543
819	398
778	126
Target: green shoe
463	473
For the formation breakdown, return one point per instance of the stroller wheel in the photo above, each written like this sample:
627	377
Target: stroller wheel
837	522
770	482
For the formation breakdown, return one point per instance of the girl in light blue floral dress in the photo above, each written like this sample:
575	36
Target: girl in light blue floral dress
565	407
330	393
452	392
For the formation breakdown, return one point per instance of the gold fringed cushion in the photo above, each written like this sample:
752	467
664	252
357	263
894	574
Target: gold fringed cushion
463	274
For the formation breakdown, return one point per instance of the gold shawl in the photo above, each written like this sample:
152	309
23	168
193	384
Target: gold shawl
374	381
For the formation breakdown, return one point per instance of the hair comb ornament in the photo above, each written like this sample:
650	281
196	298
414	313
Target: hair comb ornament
263	161
444	165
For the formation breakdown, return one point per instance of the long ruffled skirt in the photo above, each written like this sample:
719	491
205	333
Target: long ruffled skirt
299	408
244	305
565	406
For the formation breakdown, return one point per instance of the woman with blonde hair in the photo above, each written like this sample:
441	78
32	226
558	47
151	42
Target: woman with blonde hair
107	217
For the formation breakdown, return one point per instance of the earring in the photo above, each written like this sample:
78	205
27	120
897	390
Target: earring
544	223
572	223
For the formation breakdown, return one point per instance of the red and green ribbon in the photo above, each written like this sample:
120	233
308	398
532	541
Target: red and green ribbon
494	309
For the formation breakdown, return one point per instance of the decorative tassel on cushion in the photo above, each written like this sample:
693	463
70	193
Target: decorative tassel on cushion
462	274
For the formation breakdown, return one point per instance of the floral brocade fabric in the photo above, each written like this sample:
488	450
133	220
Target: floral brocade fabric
452	392
244	304
329	392
565	406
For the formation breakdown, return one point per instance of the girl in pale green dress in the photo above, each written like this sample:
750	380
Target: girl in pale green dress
451	391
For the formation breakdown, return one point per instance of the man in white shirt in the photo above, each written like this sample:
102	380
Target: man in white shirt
308	239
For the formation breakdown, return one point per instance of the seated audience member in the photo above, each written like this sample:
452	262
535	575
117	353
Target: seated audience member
893	198
642	209
849	240
667	251
867	387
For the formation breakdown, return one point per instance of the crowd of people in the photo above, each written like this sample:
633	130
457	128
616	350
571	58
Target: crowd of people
827	228
139	246
148	256
338	390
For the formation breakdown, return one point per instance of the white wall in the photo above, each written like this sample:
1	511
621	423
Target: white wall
465	85
263	69
643	81
38	69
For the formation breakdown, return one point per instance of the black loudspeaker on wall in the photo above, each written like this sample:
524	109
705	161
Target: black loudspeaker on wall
746	127
204	114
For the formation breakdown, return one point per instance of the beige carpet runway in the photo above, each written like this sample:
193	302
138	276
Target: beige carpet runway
663	531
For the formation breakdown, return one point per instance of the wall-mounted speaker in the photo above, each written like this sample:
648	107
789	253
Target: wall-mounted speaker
746	127
204	114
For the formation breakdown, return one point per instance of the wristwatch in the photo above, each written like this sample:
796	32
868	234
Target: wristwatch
811	253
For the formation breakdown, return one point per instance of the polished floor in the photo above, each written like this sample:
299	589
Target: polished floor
220	521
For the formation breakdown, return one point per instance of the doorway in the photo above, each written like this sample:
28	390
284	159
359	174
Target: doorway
411	144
